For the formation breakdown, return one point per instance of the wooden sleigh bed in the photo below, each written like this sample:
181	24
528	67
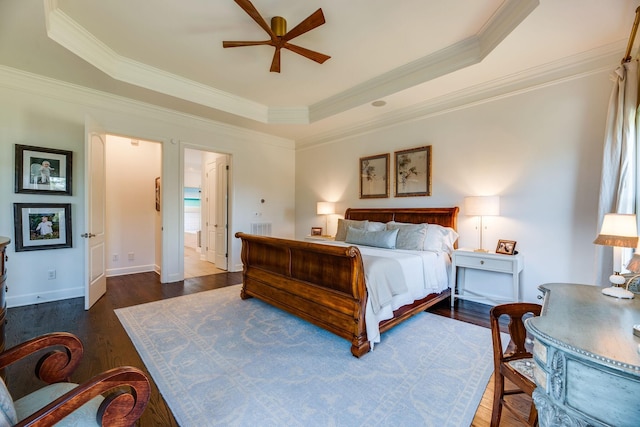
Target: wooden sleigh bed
325	284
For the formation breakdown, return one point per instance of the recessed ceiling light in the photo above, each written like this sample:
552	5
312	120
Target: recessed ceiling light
379	103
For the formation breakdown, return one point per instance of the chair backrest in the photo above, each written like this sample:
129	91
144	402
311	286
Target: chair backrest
516	348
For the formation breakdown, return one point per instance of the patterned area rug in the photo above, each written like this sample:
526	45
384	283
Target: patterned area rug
219	360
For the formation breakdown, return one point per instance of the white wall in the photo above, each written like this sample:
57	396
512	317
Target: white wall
540	151
131	213
46	113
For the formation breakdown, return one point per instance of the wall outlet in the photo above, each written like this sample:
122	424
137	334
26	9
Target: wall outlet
115	257
131	256
51	274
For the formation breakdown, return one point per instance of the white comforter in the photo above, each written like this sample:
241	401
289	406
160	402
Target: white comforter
396	277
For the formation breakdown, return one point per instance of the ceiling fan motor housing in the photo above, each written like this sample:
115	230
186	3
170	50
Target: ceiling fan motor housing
279	26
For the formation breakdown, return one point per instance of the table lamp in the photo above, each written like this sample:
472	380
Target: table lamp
481	206
619	231
326	209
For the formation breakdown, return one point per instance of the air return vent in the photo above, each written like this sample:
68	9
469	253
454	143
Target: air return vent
261	228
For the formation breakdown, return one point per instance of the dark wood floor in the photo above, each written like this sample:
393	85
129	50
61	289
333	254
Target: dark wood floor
106	343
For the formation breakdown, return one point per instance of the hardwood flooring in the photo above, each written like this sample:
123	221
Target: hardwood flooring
107	345
194	266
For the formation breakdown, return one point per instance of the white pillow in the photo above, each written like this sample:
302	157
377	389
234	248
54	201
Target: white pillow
376	226
440	239
380	239
410	236
343	224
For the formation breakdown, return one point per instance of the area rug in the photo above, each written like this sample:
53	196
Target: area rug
220	360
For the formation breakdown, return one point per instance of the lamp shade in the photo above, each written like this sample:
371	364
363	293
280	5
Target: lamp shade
634	263
619	230
325	208
482	205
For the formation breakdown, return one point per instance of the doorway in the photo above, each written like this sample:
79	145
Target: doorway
205	192
132	219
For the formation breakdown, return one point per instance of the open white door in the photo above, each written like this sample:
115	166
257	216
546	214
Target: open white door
222	198
210	200
95	201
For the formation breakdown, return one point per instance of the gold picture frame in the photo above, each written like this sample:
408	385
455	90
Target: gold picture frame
374	176
413	172
506	247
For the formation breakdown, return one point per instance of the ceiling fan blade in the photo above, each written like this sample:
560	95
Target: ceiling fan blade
240	43
275	63
312	21
251	10
311	54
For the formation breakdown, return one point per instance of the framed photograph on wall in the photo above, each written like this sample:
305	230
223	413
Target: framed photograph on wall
158	194
41	226
43	170
413	172
374	176
506	247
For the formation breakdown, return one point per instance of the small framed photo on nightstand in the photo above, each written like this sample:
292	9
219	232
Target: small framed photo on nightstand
506	247
316	231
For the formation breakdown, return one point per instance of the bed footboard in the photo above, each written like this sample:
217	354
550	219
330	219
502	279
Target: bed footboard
322	284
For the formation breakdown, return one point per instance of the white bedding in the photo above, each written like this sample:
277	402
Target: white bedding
419	272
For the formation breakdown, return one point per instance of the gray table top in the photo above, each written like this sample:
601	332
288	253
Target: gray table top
583	321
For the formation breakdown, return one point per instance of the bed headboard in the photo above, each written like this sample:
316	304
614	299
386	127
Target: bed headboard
447	217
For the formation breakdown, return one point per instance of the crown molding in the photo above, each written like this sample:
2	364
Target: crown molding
603	59
72	36
452	58
38	85
69	34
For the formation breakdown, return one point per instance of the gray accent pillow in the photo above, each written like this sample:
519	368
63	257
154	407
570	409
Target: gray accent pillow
376	226
410	236
380	239
343	224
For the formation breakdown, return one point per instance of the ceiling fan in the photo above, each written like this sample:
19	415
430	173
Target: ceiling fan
279	35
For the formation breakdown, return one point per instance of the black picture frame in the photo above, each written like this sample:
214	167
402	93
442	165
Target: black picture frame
40	226
413	172
374	176
43	170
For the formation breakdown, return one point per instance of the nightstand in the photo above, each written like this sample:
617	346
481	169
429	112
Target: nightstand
463	259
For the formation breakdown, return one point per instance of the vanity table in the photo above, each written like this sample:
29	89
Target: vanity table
587	364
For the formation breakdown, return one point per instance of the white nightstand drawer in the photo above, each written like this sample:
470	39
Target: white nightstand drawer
482	263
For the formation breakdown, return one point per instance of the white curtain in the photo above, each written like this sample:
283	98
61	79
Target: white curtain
618	187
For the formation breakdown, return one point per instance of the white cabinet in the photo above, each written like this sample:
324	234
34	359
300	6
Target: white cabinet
489	261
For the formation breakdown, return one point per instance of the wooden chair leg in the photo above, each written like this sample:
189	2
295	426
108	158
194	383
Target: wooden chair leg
533	415
498	393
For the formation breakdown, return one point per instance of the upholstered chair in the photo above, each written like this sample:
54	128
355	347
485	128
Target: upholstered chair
113	398
515	363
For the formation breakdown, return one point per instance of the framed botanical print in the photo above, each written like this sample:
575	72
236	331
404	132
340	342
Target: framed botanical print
41	226
374	176
43	170
413	172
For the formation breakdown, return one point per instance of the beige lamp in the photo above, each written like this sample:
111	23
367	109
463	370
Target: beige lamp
482	206
619	231
326	209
